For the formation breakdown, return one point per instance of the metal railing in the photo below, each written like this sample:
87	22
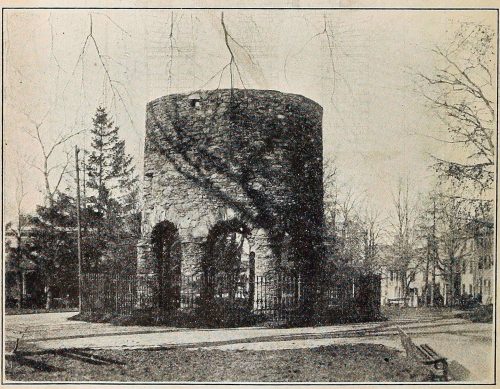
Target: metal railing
276	296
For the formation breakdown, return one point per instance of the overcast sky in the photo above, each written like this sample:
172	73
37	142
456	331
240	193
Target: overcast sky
374	123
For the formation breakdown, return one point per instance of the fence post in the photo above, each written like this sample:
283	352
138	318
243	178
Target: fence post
251	280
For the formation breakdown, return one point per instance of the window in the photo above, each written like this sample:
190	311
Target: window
470	289
464	266
194	100
463	288
471	265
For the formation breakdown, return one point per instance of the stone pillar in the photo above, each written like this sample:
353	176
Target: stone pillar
260	244
145	260
266	287
146	280
192	252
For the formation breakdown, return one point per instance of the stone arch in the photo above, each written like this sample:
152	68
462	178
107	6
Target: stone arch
167	256
225	262
214	242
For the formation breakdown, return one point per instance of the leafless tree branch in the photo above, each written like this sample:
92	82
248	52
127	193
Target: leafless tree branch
232	61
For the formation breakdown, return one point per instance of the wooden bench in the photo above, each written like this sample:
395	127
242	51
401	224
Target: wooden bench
400	301
60	302
426	355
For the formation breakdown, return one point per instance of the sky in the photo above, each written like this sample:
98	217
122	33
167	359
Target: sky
376	126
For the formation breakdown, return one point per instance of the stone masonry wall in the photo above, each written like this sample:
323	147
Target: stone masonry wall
251	155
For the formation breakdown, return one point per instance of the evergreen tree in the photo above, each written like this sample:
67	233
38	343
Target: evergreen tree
52	247
15	252
113	224
111	171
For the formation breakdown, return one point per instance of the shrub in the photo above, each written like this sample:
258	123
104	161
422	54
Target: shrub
218	313
351	313
11	302
480	314
221	313
469	302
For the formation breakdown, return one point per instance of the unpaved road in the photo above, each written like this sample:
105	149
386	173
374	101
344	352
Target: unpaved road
470	344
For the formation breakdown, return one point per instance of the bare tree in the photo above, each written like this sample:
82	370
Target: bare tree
462	93
353	228
427	234
49	167
406	260
348	228
452	239
331	192
372	230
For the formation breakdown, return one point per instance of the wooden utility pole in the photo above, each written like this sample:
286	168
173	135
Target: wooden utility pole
434	251
79	230
84	180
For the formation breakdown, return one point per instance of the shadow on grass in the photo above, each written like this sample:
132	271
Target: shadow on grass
87	357
75	354
36	365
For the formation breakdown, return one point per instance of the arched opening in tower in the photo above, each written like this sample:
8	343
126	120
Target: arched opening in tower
167	252
226	264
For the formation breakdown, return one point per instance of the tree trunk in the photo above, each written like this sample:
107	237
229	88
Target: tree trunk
426	286
451	287
21	289
404	287
48	193
48	303
433	283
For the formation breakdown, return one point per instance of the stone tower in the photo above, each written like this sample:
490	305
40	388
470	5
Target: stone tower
233	160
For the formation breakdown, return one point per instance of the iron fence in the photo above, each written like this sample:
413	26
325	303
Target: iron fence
276	296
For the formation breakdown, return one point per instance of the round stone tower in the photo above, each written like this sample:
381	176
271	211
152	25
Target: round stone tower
248	161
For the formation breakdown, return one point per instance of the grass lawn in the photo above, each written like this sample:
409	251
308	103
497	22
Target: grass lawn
359	362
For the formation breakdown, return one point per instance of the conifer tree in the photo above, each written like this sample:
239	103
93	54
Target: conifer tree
112	201
111	171
52	247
